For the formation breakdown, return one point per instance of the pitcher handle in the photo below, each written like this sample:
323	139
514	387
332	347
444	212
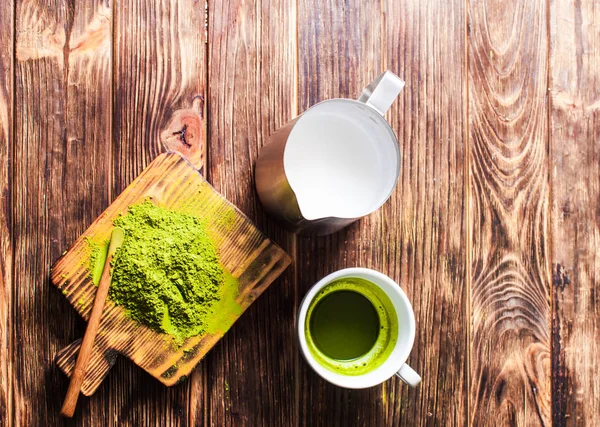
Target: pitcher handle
382	91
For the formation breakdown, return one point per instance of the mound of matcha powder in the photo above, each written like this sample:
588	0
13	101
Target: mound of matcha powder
167	272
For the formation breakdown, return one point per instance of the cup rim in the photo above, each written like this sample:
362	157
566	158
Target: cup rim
390	367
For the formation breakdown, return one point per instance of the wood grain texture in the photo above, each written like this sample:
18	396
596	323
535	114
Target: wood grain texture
171	182
339	53
575	163
509	194
6	135
100	89
422	236
60	167
159	76
252	372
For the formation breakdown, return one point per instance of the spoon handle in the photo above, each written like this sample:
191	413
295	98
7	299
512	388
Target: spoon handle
87	344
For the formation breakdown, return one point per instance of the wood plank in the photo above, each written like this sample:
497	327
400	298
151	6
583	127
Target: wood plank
420	235
509	194
61	165
252	49
575	126
6	135
339	53
159	74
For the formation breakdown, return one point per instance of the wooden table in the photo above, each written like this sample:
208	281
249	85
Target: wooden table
493	230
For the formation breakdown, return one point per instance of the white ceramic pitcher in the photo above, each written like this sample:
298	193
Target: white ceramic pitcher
335	163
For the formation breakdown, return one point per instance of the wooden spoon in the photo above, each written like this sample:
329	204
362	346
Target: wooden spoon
68	408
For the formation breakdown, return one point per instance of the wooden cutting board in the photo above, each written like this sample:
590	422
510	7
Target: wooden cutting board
173	182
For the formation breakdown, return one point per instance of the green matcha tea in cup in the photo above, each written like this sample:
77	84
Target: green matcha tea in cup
356	328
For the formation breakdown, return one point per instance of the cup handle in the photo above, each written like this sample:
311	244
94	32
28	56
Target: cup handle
409	376
380	94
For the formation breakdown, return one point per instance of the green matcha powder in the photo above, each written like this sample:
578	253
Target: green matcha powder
167	273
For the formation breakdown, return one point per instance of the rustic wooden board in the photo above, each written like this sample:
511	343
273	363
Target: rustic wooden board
252	92
422	237
575	163
172	182
509	193
6	134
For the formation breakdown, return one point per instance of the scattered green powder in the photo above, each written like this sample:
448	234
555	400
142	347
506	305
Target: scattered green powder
167	273
226	220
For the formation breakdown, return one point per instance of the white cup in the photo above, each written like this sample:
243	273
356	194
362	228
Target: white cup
395	364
